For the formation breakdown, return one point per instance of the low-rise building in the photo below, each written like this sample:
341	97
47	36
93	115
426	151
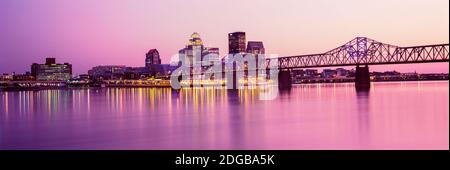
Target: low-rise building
106	72
51	71
6	77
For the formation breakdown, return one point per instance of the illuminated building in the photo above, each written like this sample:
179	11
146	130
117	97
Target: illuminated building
236	42
114	72
195	53
51	71
6	77
23	77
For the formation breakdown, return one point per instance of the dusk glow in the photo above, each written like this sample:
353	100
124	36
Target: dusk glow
224	83
87	33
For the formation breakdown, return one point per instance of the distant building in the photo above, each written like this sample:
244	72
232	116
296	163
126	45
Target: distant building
255	47
84	76
298	73
310	73
162	70
51	71
236	42
196	54
23	77
152	58
155	71
115	72
341	72
107	72
132	73
329	73
6	77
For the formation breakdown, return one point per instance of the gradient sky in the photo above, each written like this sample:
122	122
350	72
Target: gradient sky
87	33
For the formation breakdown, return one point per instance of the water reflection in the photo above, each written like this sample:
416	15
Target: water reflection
285	91
313	116
363	115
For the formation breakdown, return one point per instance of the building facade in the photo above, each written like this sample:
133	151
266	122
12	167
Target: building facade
117	72
51	71
152	58
329	73
6	77
107	72
255	47
236	42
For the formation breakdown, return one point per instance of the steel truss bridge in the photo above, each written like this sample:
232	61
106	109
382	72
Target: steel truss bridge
365	51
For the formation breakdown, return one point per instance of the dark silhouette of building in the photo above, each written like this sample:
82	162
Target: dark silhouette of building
236	42
255	47
152	57
51	71
50	61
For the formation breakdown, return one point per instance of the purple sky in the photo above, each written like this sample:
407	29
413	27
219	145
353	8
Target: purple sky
87	33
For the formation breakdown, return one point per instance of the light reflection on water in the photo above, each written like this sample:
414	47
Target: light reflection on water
398	115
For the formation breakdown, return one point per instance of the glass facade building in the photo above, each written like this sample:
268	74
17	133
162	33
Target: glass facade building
236	42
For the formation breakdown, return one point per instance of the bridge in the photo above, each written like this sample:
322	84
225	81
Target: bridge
361	51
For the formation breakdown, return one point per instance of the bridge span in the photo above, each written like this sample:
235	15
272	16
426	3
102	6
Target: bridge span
361	52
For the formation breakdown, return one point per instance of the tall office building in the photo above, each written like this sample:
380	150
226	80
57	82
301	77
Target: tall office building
236	42
51	71
194	53
255	47
152	58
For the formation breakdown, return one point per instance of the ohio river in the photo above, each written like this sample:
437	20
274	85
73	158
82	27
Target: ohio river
392	115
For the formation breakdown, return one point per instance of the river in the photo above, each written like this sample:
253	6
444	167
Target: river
392	115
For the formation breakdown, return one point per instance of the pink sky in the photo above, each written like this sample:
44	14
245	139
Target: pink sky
87	33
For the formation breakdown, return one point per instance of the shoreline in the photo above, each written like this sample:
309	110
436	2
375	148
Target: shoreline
372	81
12	89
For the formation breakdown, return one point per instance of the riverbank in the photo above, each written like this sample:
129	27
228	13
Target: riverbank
167	85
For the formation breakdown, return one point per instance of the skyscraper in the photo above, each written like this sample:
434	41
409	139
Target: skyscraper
255	47
236	42
152	57
194	52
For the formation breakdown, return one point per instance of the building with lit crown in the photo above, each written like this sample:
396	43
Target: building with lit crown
195	53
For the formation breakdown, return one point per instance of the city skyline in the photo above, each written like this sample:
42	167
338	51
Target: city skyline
91	33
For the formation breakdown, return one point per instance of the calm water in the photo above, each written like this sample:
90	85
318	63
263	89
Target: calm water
400	115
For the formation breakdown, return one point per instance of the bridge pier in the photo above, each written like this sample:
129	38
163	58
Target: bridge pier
362	77
284	79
